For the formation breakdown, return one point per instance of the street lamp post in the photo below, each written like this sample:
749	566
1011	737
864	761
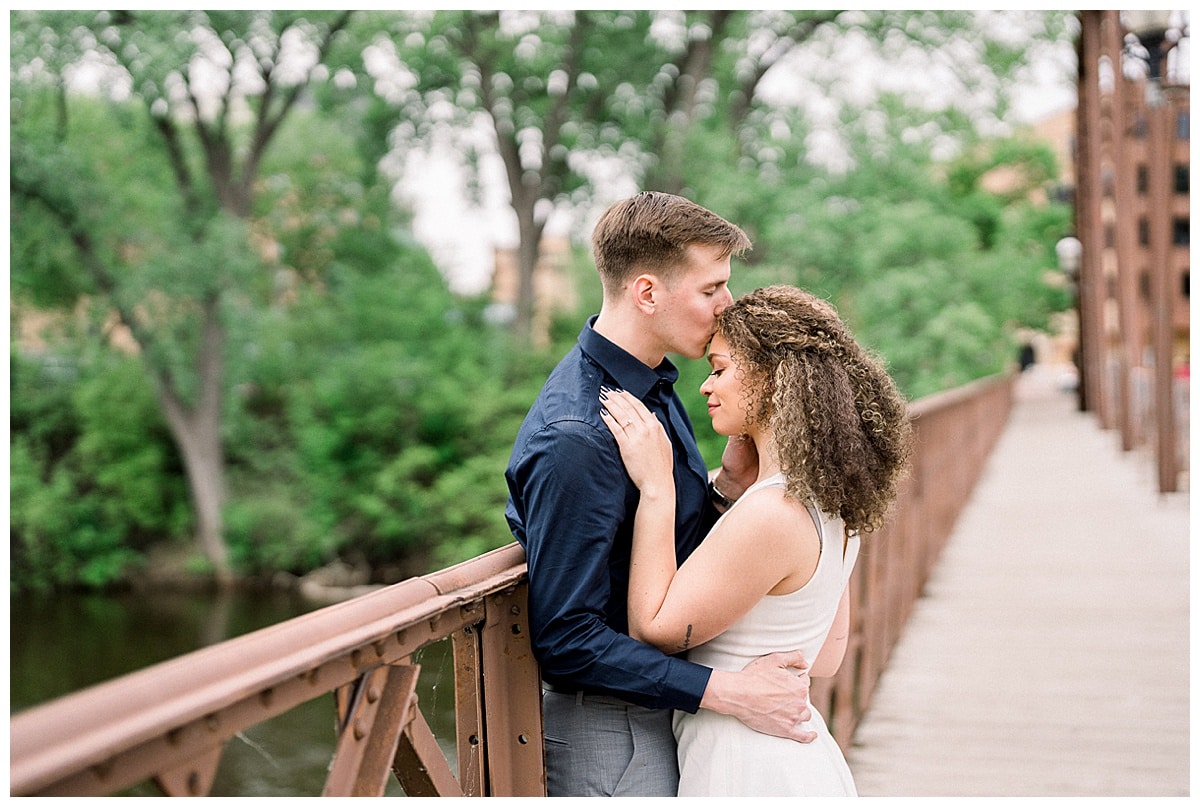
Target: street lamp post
1152	31
1070	253
1089	206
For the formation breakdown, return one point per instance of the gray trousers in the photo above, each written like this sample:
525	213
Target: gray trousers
602	746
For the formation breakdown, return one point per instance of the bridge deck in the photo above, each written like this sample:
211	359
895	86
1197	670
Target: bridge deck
1049	655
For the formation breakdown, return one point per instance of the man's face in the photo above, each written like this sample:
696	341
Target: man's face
689	305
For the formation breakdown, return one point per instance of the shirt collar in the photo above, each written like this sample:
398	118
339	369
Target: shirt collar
630	373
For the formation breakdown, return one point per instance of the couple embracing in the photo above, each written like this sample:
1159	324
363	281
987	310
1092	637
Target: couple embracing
677	614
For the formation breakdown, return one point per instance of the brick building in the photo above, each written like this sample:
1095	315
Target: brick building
1133	222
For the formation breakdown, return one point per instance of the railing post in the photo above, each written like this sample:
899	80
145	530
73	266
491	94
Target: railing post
512	699
468	709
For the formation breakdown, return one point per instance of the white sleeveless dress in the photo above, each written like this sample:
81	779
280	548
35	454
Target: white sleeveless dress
718	754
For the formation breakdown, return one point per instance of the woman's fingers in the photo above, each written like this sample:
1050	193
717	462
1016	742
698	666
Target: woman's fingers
642	440
614	426
624	414
620	407
613	413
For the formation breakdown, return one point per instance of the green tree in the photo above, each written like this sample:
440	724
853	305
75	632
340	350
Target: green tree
361	410
931	269
550	88
379	412
668	97
151	225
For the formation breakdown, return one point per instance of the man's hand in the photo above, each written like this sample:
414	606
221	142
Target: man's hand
770	695
739	466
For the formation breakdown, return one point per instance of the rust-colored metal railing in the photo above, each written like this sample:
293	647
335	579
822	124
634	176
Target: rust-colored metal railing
955	433
170	723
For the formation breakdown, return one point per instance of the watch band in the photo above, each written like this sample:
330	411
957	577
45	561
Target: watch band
717	496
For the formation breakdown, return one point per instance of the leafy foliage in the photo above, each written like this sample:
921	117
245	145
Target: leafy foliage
366	413
94	479
375	425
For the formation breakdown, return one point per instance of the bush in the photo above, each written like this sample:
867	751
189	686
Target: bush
94	478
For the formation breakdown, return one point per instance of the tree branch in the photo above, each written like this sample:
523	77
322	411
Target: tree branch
175	156
800	32
471	48
29	182
556	116
267	125
691	68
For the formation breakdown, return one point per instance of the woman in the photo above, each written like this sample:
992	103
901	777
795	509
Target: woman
833	439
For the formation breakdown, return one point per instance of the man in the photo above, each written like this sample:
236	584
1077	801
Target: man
664	263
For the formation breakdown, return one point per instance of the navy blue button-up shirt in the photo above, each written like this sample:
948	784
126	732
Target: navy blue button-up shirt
571	506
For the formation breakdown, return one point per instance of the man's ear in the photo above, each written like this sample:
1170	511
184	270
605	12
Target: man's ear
645	292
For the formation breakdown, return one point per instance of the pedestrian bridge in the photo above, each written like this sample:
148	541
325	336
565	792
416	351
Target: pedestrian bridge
1049	652
1043	652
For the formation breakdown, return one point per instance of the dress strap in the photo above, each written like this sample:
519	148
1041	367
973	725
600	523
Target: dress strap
778	481
852	545
773	481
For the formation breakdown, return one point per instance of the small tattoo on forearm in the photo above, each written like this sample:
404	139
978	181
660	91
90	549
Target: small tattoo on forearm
687	640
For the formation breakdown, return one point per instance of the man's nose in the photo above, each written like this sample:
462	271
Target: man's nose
724	300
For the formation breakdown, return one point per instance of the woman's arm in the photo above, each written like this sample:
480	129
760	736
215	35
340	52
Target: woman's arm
829	658
752	550
649	461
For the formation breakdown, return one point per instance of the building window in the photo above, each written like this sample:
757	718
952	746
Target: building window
1144	285
1138	129
1110	237
1183	124
1108	183
1185	284
1143	180
1143	232
1183	232
1183	182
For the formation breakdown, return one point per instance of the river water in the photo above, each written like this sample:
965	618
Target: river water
64	643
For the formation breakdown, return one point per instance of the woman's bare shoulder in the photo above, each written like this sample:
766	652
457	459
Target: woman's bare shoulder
769	514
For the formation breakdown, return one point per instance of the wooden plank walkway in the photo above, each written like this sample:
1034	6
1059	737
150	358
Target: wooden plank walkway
1049	655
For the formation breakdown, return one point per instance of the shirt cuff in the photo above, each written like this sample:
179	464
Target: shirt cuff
687	682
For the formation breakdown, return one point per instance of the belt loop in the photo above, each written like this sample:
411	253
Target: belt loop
579	698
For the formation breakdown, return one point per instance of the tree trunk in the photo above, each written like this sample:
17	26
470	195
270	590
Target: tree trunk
524	192
197	431
200	445
528	251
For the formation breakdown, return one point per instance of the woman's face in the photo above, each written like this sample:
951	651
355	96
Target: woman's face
725	390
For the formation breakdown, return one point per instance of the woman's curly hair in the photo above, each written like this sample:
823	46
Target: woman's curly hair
840	424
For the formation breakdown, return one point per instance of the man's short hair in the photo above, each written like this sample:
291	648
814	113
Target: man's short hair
650	232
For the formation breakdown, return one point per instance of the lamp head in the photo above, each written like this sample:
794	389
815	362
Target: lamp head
1156	32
